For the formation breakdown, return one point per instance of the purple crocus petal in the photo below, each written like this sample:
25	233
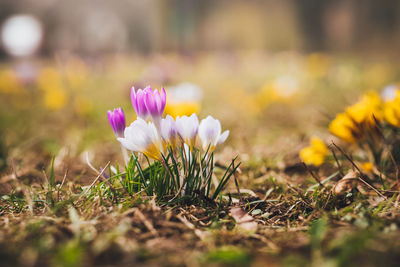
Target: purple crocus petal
157	100
110	119
147	89
117	121
141	109
120	118
150	103
163	99
133	98
105	175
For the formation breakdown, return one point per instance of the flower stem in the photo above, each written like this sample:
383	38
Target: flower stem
125	155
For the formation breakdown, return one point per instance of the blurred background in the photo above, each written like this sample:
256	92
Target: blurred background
274	68
96	27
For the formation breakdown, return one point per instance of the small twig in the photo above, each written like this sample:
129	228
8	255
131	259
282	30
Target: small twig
146	222
102	170
256	205
337	161
90	164
372	187
62	183
300	195
349	159
313	175
200	234
395	165
360	172
385	141
236	181
97	178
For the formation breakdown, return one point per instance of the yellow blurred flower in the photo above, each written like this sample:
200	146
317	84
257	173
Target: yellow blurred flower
244	102
76	73
50	79
367	166
318	64
51	82
316	153
391	110
282	89
358	120
55	99
183	99
9	83
180	109
83	106
378	74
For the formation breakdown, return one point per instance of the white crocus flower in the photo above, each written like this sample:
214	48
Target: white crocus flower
169	132
210	133
188	153
188	128
142	136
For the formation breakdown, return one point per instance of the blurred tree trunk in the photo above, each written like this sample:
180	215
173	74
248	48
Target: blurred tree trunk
377	21
310	14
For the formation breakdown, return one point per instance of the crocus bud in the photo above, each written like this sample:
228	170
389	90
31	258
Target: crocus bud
188	128
210	133
117	121
169	132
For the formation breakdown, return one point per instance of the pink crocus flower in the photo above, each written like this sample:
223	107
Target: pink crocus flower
148	103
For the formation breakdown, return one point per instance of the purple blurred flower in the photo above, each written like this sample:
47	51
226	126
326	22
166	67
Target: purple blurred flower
149	103
117	121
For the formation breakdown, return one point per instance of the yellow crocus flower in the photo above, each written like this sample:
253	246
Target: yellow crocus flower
391	110
366	108
359	119
316	153
344	128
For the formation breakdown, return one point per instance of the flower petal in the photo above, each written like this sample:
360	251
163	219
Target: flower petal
222	138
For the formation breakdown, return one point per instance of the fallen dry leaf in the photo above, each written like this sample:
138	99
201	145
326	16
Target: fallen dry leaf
243	219
346	183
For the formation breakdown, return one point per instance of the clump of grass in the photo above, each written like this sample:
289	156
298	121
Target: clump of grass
184	176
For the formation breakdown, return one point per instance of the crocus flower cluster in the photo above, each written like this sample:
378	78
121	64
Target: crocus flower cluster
154	136
372	124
